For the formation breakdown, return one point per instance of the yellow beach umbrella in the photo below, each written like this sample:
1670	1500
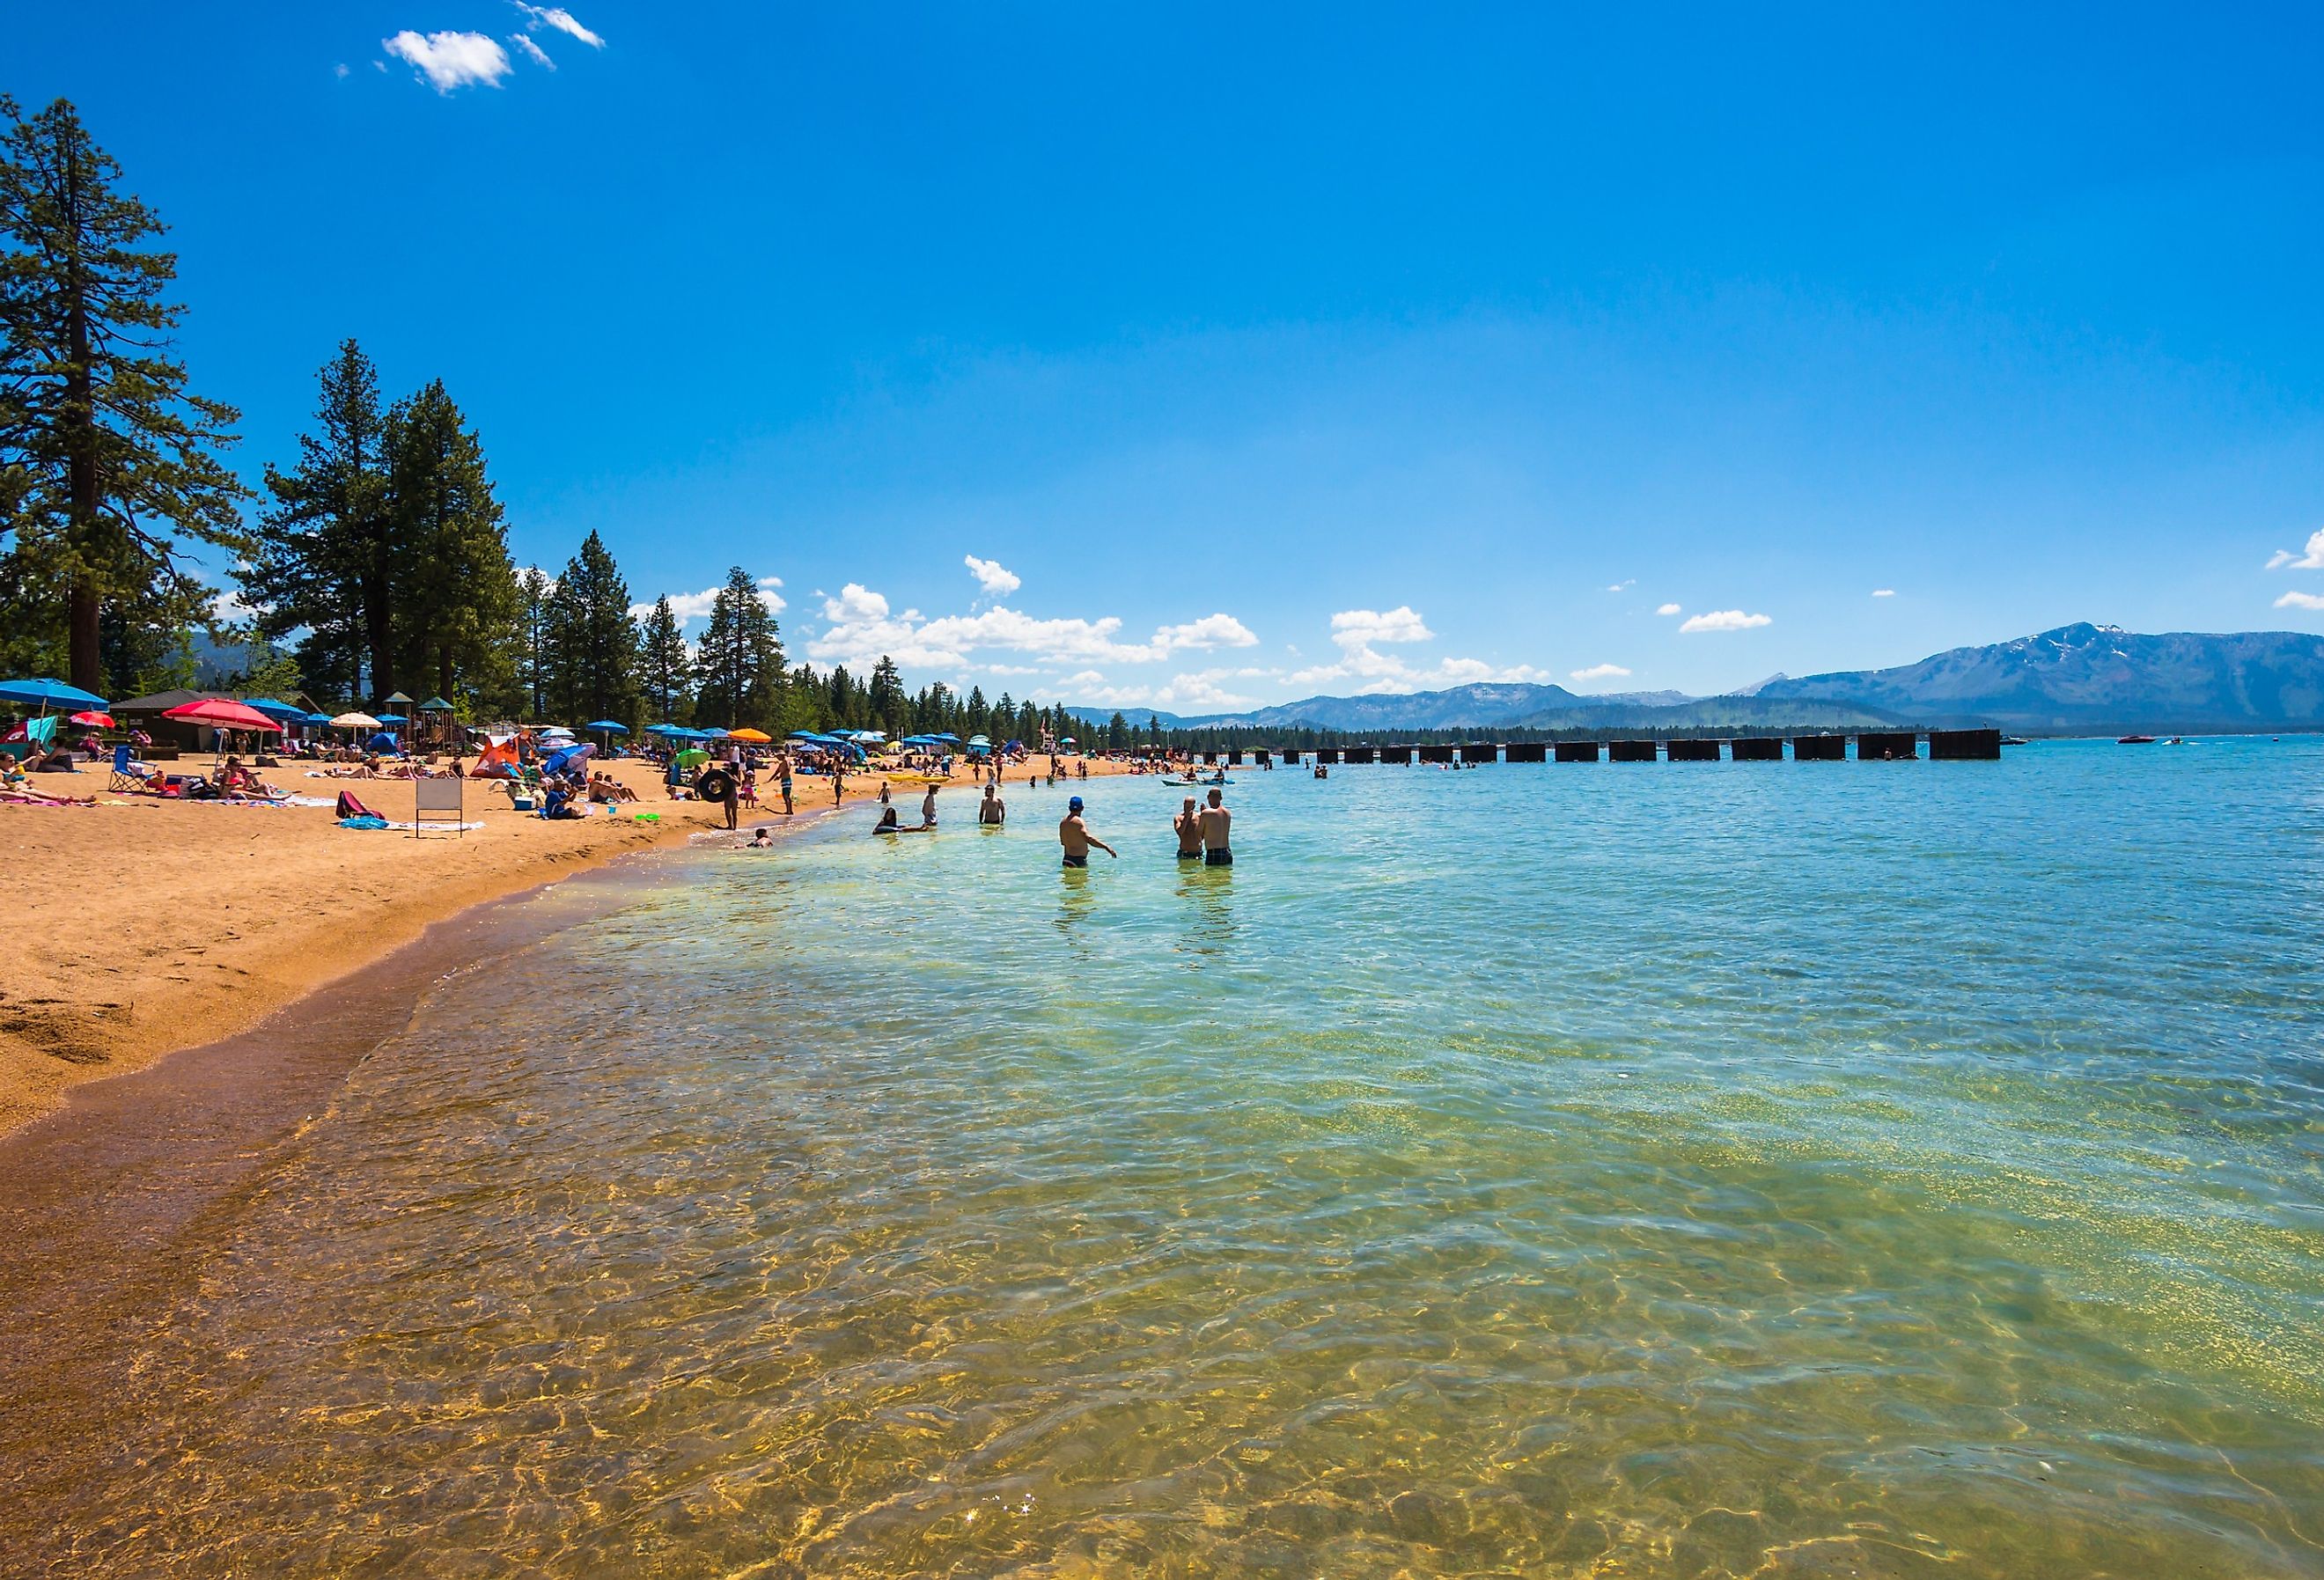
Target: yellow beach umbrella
756	737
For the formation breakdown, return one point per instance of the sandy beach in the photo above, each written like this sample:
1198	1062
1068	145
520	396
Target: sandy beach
141	927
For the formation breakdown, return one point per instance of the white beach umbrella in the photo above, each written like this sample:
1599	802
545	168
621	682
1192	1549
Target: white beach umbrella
354	721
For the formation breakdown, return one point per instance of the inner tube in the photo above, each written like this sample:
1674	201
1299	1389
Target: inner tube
712	783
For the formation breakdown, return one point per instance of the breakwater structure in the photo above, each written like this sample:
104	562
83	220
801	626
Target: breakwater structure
1870	746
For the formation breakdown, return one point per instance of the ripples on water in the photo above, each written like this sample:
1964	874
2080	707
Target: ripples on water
1806	1169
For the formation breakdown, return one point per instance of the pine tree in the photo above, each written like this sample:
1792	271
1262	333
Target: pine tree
322	560
663	664
112	461
739	663
593	649
534	592
891	708
457	604
1117	733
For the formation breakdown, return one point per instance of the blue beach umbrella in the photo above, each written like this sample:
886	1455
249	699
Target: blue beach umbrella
393	719
712	733
283	712
47	693
806	735
315	718
948	738
608	725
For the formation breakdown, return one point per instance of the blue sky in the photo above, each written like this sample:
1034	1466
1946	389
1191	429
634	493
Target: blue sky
1260	351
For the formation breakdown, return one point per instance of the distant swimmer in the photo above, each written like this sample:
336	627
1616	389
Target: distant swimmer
1188	826
1216	820
889	824
761	838
1322	772
1074	835
993	811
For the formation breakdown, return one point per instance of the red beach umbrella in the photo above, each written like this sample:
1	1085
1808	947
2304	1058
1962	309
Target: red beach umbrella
220	713
96	720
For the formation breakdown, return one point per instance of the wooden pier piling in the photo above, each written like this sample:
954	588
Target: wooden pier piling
1964	745
1631	751
1756	749
1695	751
1577	751
1887	747
1819	748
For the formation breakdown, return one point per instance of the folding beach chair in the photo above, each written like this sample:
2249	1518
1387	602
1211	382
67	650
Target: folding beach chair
128	774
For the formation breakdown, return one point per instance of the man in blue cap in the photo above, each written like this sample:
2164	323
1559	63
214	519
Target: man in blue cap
1074	835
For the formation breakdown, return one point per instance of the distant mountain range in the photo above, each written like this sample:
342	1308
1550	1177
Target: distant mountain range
2080	679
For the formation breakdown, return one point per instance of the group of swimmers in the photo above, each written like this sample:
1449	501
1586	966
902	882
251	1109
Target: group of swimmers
1203	831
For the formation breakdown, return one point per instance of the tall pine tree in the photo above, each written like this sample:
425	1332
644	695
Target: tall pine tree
663	664
594	643
112	461
739	663
456	590
323	560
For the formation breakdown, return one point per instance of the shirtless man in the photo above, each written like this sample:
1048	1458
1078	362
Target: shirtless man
993	809
1215	821
1188	826
1074	835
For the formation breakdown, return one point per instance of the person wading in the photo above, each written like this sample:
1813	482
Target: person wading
1188	826
1074	835
1215	821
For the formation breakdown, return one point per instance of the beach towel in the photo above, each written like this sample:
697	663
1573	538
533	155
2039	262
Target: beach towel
368	820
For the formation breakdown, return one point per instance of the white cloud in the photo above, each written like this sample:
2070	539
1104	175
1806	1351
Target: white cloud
1623	586
692	607
532	51
340	70
1086	677
1725	620
227	605
1355	628
1602	672
993	576
447	60
1211	630
1883	592
562	20
2311	559
2301	601
1667	609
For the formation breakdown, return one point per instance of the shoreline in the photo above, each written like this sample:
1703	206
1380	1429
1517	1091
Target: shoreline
161	928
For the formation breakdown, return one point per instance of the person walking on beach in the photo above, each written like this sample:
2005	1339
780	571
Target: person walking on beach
730	796
993	811
1188	826
1215	821
788	807
1074	835
838	781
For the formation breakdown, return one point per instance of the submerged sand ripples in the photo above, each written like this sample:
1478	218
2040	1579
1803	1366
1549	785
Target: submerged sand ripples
1741	1173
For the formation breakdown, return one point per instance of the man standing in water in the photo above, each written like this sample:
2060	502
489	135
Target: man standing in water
1074	835
1215	821
1188	826
993	811
928	809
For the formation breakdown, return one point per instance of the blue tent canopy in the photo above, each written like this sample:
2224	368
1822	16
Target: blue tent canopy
47	693
948	738
606	724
